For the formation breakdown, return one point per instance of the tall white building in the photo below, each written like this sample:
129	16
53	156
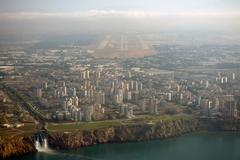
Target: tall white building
207	84
100	97
65	91
39	92
153	106
169	96
45	85
233	76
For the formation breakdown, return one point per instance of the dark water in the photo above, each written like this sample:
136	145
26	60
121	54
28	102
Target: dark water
202	146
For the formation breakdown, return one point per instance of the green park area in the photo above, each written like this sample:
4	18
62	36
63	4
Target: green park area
71	127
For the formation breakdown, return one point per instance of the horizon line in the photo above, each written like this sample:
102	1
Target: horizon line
117	13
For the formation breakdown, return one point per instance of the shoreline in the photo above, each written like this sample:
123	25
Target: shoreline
120	134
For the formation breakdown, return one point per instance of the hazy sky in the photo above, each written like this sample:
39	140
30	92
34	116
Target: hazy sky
64	16
147	5
130	8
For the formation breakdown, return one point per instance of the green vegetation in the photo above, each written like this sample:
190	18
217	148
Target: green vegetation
155	119
86	125
64	127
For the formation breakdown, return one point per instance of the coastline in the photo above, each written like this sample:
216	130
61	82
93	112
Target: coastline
121	134
118	134
16	147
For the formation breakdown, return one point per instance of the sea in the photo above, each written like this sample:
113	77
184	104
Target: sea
197	146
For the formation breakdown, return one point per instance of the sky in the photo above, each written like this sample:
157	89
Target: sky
22	17
163	6
24	9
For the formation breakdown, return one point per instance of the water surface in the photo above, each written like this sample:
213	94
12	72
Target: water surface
201	146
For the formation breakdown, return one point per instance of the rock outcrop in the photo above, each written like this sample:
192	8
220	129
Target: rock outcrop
16	147
120	134
117	134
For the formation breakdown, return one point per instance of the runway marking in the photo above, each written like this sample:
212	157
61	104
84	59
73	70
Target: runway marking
104	42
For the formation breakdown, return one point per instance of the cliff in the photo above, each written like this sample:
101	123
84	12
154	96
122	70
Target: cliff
16	147
120	134
219	125
117	134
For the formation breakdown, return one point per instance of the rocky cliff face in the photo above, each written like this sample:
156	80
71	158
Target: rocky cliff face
127	133
220	125
142	132
16	147
22	145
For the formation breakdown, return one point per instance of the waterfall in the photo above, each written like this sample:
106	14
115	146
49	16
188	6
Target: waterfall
45	143
37	144
41	144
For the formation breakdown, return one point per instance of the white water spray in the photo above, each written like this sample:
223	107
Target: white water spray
45	143
42	147
37	144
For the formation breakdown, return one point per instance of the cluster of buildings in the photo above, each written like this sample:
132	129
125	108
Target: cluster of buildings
225	105
88	89
100	90
214	97
93	94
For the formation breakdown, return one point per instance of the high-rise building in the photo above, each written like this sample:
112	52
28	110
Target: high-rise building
207	84
126	111
135	96
135	87
127	87
226	79
169	96
83	75
153	106
39	92
65	91
129	74
178	88
205	107
100	97
233	76
97	74
143	105
199	101
80	115
131	85
73	92
87	74
181	96
216	103
128	95
75	100
88	112
45	85
230	107
118	98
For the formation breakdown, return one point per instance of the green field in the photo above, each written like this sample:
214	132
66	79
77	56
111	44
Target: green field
69	127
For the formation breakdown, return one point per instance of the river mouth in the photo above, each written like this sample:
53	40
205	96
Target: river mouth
197	146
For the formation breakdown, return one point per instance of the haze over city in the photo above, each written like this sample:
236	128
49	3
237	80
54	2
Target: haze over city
35	18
